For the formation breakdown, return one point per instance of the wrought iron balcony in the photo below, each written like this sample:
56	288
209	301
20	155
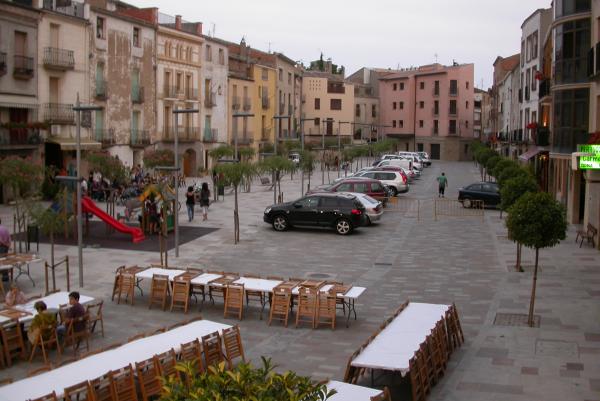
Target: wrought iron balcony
189	133
59	113
74	9
210	135
452	130
106	136
247	104
101	89
139	138
453	112
436	91
244	140
59	59
236	102
2	63
265	102
19	137
23	67
137	94
210	100
170	92
191	93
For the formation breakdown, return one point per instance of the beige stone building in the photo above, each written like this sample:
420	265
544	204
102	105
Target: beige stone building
366	104
288	98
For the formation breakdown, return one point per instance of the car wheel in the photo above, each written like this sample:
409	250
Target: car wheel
280	223
343	227
369	220
467	203
393	191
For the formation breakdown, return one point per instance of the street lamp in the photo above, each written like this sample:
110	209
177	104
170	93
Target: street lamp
329	120
302	145
340	142
176	113
79	108
235	138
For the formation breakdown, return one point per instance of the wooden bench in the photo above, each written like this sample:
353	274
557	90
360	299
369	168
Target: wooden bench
589	234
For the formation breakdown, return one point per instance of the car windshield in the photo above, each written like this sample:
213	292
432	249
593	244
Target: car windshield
366	199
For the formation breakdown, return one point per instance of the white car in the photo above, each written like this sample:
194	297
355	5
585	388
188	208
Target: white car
373	207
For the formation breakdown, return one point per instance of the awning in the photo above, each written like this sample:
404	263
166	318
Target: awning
70	144
530	153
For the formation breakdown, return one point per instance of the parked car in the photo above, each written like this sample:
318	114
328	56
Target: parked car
373	207
391	179
425	157
343	212
404	163
294	157
360	172
488	192
363	185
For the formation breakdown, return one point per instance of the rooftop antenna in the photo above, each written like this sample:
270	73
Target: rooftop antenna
436	57
214	29
269	47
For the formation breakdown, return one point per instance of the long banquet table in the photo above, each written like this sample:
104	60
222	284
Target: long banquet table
397	343
99	364
52	301
351	392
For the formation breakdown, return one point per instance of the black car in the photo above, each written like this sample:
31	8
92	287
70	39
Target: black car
343	212
488	192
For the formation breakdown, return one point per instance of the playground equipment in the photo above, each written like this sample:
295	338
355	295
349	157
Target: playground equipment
166	196
88	206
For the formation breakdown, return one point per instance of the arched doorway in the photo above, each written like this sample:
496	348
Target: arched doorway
189	163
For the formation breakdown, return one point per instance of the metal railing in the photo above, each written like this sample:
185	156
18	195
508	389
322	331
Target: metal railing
74	9
244	140
139	137
169	92
20	136
210	135
191	93
247	104
23	67
453	91
2	63
236	102
106	136
137	94
209	101
452	130
60	59
453	111
265	102
101	89
189	133
59	113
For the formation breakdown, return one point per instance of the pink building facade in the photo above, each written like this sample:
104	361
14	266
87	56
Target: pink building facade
430	108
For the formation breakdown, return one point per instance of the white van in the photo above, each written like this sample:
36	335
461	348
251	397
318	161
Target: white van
414	158
404	163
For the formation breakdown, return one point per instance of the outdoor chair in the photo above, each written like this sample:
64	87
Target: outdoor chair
80	392
94	311
423	368
102	388
62	313
47	397
126	288
192	352
45	339
181	294
42	369
122	384
149	379
159	290
352	373
75	337
211	345
416	381
197	289
12	341
234	300
429	361
117	281
232	342
220	289
280	305
326	309
307	306
165	364
384	396
257	295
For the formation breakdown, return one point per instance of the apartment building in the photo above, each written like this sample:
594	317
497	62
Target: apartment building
122	64
366	104
20	132
502	67
430	108
215	94
288	98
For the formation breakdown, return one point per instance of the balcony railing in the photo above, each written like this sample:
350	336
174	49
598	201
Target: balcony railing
137	94
236	102
189	133
106	136
209	100
2	63
170	92
191	93
101	89
265	102
59	113
23	68
544	88
247	104
452	130
16	137
210	135
59	59
74	9
139	138
243	139
453	92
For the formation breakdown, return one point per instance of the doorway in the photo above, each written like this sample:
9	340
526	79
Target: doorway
189	163
435	151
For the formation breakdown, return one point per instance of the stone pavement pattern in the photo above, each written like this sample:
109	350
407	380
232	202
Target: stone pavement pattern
462	260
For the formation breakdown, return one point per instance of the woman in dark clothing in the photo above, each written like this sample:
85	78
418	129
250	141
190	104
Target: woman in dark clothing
189	201
204	200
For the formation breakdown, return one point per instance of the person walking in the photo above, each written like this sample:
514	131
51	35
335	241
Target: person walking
190	202
204	200
442	184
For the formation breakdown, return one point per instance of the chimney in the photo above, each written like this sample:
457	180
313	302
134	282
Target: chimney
199	28
178	22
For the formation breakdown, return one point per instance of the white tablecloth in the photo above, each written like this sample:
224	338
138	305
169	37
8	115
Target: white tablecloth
205	278
353	293
53	301
148	273
258	284
351	392
96	365
398	342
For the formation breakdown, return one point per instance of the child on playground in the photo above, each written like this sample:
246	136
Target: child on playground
151	209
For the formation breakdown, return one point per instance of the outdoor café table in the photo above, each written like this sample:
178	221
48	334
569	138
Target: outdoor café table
205	278
99	364
17	261
397	343
52	301
351	392
148	273
259	285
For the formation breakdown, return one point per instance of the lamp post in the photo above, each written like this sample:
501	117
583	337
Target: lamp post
235	138
176	113
340	142
78	109
302	145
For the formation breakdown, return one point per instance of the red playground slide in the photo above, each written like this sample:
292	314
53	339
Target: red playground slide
88	206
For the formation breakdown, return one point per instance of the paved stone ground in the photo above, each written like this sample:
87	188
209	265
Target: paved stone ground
463	260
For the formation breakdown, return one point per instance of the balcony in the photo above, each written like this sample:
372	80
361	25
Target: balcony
247	104
137	94
191	94
19	137
189	134
453	92
244	140
106	136
210	100
544	88
210	135
236	102
336	87
101	92
452	111
139	138
58	59
59	113
527	93
265	102
452	130
2	63
23	68
170	92
74	9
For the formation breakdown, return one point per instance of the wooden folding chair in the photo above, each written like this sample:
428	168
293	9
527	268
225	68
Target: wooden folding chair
416	381
457	326
234	300
45	339
211	346
165	364
428	357
117	281
192	352
352	373
126	287
384	396
78	331
280	305
102	388
423	370
80	392
181	294
12	340
257	295
438	350
232	342
307	306
149	378
159	290
326	309
47	397
40	370
122	384
94	312
197	289
216	290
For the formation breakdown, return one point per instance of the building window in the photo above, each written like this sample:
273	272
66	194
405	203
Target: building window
221	56
422	85
467	105
467	84
136	37
436	88
436	127
570	51
357	112
394	105
393	123
436	107
568	7
522	53
401	105
452	127
571	115
533	80
395	86
336	104
420	123
289	78
264	74
453	107
317	103
421	104
373	110
453	87
100	28
401	86
401	123
208	53
467	124
280	76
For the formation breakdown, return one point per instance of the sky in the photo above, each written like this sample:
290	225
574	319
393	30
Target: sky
376	33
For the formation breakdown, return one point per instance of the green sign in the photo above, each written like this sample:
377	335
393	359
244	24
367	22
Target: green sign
589	162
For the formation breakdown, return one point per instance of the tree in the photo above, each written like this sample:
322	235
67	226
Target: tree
245	154
491	163
49	221
236	174
242	383
277	166
110	166
307	166
21	175
501	165
511	172
537	221
159	158
221	152
482	155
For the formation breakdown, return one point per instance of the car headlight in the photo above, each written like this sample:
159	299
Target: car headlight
267	210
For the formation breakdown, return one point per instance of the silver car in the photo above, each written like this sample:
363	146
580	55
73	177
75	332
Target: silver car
391	179
373	207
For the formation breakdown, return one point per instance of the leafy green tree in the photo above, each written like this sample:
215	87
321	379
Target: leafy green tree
110	166
501	165
48	221
221	152
482	156
537	221
307	166
246	153
277	166
159	158
511	172
21	175
491	163
236	174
